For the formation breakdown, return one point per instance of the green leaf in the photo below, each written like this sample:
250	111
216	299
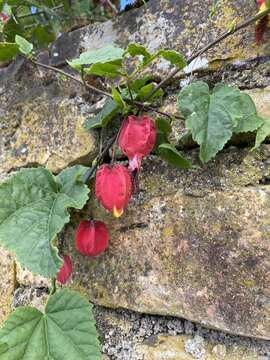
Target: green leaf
262	133
163	130
108	111
212	117
8	51
106	54
173	57
146	90
241	107
137	49
169	153
118	99
110	70
137	84
33	209
163	125
25	46
43	36
65	331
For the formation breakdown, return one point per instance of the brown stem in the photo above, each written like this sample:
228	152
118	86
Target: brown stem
99	91
98	159
15	280
210	45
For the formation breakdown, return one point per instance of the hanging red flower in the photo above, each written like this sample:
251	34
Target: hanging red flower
91	238
137	139
65	271
113	187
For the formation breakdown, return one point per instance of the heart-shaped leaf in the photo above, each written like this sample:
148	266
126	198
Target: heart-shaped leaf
33	209
65	331
212	117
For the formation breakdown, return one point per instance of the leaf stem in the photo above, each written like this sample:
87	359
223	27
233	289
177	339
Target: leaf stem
98	160
212	44
15	280
99	91
53	289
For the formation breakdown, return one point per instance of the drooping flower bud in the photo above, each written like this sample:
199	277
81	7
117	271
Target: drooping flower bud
91	238
137	139
4	17
113	187
65	271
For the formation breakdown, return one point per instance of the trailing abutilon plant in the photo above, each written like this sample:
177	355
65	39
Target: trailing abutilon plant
42	208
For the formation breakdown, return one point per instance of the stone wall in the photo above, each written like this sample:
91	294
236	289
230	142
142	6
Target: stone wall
193	244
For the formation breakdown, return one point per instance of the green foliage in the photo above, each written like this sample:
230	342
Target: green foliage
33	209
109	110
213	116
106	54
262	133
8	51
174	57
137	49
109	69
50	18
118	99
169	153
144	92
65	331
25	47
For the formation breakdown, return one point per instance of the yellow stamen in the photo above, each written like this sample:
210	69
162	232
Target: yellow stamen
117	213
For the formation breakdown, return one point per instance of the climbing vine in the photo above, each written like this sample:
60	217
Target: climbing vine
35	204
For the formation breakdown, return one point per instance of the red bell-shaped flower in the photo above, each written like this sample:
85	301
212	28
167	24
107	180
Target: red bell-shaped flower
137	139
91	238
113	187
65	271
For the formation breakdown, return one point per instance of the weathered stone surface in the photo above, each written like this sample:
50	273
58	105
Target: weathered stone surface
127	335
6	280
188	348
41	120
174	24
261	98
194	244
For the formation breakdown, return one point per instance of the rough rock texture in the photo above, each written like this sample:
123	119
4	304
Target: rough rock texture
6	280
41	120
128	335
193	244
173	24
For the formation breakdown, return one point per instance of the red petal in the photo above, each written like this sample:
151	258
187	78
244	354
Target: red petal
137	138
91	238
113	187
65	271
